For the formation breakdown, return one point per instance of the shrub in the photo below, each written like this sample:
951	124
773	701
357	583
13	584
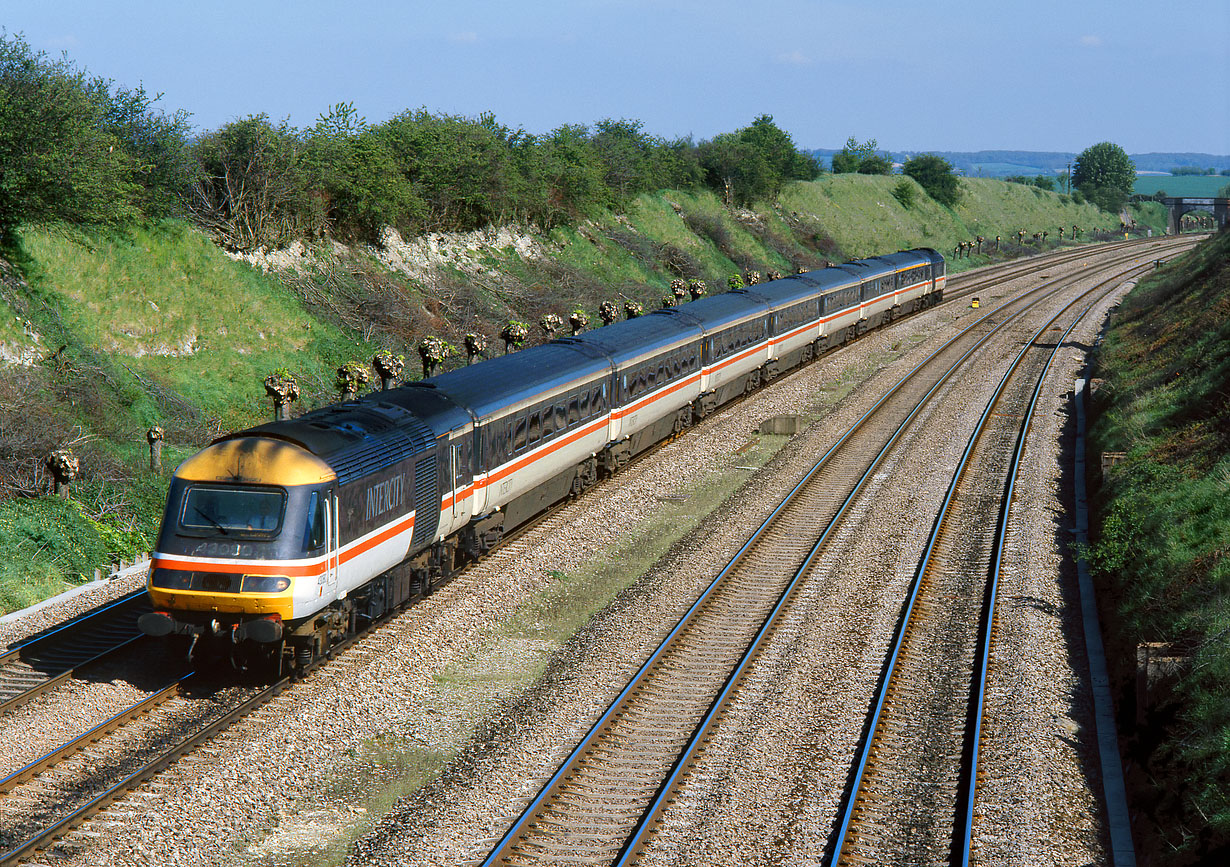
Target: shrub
935	175
903	192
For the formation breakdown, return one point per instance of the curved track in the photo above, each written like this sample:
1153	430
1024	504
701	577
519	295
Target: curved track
912	798
605	791
114	626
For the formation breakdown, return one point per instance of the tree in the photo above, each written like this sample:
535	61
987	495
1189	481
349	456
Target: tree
735	169
58	161
1104	174
935	175
251	189
349	168
876	164
777	148
755	162
854	154
157	142
625	151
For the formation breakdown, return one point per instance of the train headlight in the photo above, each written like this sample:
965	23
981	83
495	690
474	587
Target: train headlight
265	583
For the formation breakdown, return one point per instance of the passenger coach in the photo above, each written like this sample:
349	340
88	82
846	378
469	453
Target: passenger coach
278	540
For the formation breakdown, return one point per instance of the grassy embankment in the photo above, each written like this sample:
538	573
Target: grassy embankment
159	327
1163	556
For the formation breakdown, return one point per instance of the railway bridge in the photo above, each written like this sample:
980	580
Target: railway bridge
1180	205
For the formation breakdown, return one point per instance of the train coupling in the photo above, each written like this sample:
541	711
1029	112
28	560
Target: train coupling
263	630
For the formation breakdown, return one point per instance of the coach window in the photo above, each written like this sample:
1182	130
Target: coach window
548	421
561	417
519	434
574	410
583	405
535	430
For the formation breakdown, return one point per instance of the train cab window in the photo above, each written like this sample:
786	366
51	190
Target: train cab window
314	536
232	511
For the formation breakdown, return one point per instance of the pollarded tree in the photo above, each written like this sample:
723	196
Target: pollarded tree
1105	175
934	174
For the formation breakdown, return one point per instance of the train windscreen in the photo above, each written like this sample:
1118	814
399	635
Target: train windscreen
231	510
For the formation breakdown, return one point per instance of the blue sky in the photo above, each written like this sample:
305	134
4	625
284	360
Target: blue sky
937	75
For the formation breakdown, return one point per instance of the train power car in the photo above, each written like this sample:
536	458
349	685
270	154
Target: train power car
280	539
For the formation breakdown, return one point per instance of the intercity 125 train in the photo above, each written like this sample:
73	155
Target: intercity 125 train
280	539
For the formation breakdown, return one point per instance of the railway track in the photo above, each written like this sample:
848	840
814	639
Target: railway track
73	816
968	283
915	778
38	664
45	801
603	801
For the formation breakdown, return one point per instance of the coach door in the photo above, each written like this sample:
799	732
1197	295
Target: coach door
332	539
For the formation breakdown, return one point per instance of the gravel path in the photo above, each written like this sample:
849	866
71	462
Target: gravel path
428	723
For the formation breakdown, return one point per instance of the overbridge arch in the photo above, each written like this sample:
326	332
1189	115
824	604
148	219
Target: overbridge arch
1177	206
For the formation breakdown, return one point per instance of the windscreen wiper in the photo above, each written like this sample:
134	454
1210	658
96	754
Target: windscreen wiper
211	519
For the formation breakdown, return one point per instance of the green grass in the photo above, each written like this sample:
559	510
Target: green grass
1161	552
50	544
176	310
862	215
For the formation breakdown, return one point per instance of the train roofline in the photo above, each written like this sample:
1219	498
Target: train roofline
248	459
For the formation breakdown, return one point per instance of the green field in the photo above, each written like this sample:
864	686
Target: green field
1180	185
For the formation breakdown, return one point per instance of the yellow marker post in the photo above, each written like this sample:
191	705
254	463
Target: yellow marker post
974	303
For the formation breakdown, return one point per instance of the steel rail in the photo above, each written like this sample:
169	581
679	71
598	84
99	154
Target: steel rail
169	756
514	835
93	736
1016	268
637	842
43	661
968	791
895	653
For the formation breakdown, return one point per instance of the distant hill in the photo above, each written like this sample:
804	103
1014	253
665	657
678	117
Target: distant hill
998	164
